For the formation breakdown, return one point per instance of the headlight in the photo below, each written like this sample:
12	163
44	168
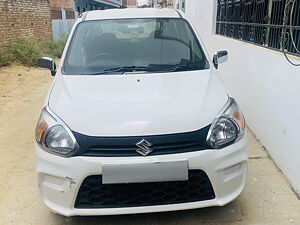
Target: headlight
228	127
54	136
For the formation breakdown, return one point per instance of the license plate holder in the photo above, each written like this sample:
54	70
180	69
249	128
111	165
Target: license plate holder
145	172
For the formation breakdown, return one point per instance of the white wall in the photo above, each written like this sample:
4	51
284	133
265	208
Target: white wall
265	85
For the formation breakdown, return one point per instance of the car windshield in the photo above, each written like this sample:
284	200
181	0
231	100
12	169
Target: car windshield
133	45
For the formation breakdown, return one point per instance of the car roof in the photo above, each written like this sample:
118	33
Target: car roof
131	13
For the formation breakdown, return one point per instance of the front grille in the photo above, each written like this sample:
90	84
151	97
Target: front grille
126	146
94	194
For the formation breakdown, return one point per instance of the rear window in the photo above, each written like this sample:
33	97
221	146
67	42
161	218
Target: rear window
159	44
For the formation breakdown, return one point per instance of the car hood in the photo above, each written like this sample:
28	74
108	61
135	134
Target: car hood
138	104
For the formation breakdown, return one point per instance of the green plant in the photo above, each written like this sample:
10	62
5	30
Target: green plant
5	58
25	51
54	49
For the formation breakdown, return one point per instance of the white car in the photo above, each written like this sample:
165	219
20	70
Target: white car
137	119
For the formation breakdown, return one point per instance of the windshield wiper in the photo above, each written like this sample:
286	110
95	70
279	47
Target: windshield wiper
175	67
152	68
127	69
122	69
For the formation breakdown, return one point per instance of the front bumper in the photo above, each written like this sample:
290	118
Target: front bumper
59	179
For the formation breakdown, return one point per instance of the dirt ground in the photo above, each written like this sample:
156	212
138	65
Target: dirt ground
267	199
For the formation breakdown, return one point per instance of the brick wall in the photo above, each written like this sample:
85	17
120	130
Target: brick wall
62	4
29	18
131	3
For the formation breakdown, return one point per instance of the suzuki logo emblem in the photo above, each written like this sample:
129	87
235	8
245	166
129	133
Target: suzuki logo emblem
144	147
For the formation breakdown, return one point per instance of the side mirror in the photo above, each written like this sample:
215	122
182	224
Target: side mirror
48	63
220	57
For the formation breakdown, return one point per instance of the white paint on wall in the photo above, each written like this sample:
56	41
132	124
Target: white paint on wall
266	86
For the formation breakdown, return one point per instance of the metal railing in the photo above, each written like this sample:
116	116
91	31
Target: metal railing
273	24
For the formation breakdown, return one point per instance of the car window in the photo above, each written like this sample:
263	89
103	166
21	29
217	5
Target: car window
108	45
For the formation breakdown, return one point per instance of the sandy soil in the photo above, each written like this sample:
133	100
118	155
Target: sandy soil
267	198
22	91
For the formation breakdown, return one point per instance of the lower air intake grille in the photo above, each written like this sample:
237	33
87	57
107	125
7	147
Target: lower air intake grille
94	194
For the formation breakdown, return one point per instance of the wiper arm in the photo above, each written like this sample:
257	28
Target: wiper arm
174	67
151	68
127	69
185	66
122	69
